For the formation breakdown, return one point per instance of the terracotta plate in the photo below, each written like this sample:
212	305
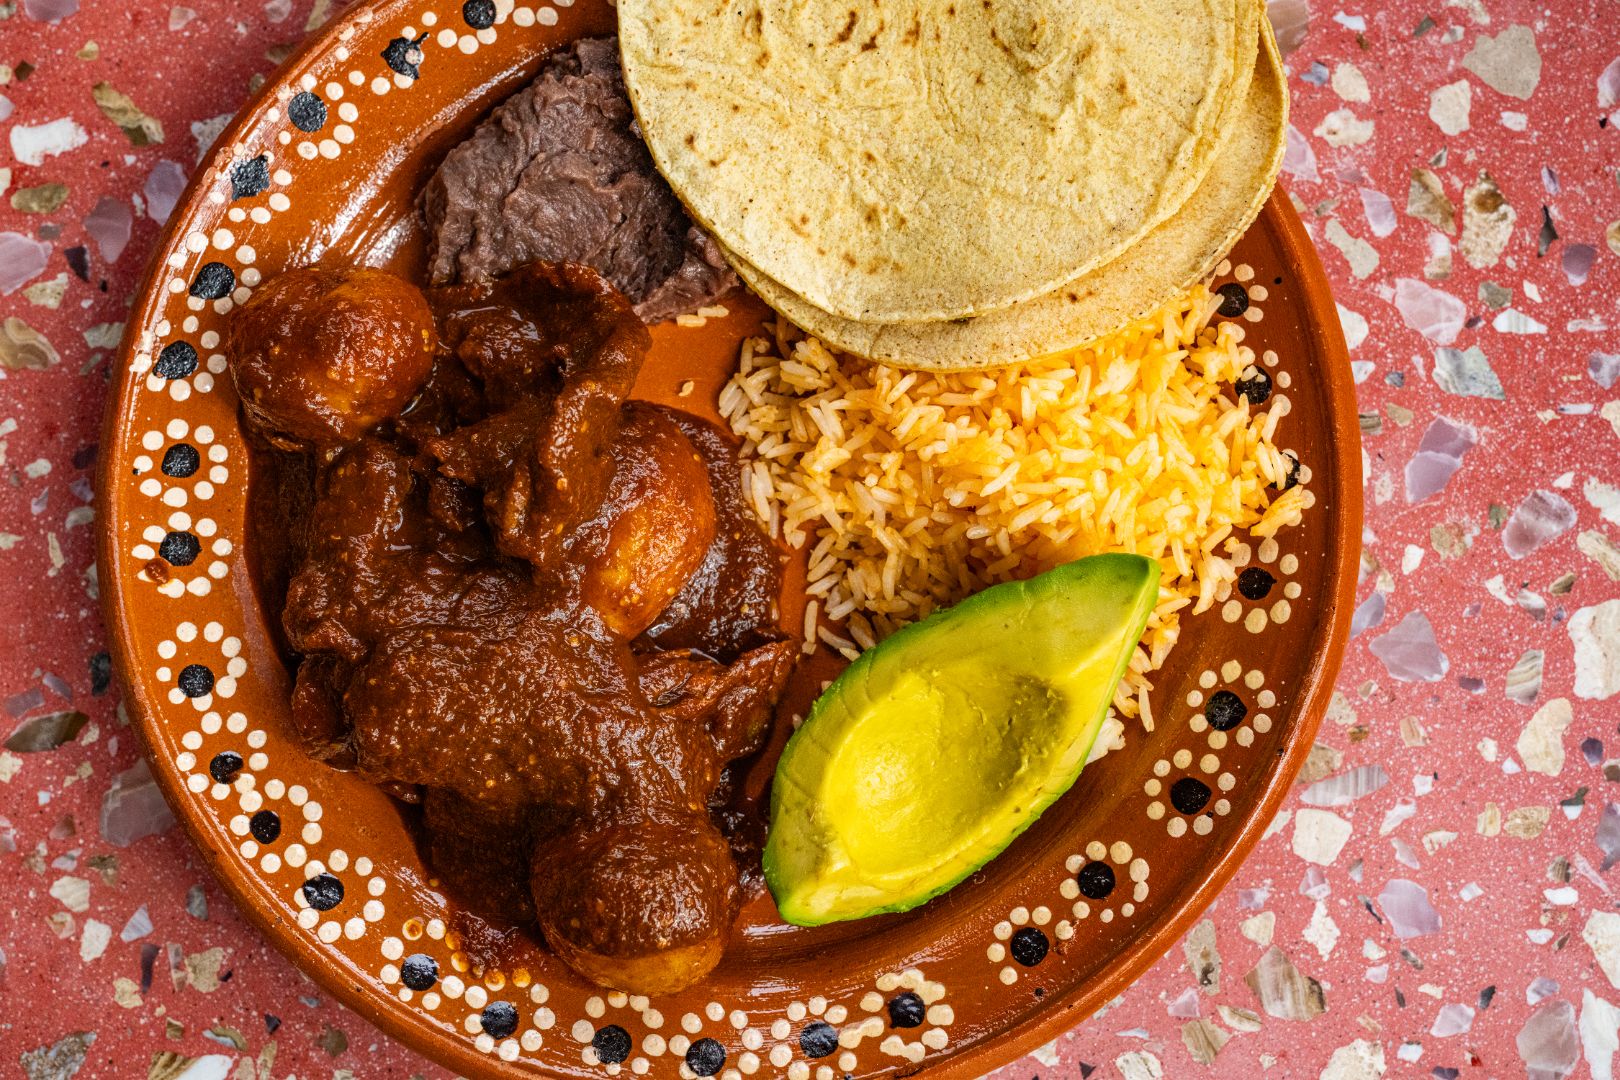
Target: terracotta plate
324	166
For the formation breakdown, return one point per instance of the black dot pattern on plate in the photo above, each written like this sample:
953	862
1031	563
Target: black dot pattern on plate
480	14
249	177
1255	582
179	549
499	1019
1291	478
1028	946
1225	710
213	282
611	1043
1234	300
1096	880
225	765
265	826
1254	386
195	681
705	1057
404	56
1189	795
323	892
177	360
818	1039
307	112
906	1010
180	461
419	971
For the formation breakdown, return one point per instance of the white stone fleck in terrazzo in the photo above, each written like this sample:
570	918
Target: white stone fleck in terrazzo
1600	1034
1540	744
72	893
1595	632
1046	1054
1346	787
206	131
1342	127
1449	106
1319	835
207	1067
1602	934
1601	550
93	939
1510	321
1362	256
1139	1065
1604	497
1259	928
32	144
1611	412
1360	1060
1240	1019
1350	84
1322	931
1509	63
1354	326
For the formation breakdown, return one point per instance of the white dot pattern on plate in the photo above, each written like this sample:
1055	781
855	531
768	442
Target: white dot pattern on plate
187	476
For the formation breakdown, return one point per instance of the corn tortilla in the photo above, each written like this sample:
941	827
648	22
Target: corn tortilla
914	160
1179	252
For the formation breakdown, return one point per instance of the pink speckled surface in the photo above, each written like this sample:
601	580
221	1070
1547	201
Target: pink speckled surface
1501	833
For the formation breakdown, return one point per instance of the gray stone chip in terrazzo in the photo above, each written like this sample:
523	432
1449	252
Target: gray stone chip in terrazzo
59	1061
133	807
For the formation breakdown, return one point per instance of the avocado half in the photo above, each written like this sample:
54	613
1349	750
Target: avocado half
935	749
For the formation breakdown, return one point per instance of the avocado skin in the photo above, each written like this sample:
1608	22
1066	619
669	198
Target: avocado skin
1103	601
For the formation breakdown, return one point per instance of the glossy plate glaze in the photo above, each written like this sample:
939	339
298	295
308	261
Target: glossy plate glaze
324	166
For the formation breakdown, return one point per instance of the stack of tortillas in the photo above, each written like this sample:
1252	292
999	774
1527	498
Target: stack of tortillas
954	184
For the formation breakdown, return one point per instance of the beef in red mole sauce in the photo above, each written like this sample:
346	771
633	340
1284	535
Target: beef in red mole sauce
515	596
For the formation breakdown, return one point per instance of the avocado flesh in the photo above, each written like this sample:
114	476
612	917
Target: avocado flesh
935	749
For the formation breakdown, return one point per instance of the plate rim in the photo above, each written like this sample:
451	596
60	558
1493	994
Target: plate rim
1321	324
1058	1013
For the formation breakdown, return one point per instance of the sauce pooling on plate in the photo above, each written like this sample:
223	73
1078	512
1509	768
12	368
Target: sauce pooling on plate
516	597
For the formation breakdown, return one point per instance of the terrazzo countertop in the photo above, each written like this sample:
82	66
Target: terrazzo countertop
1437	898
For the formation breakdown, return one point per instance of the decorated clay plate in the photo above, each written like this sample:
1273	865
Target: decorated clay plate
324	166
